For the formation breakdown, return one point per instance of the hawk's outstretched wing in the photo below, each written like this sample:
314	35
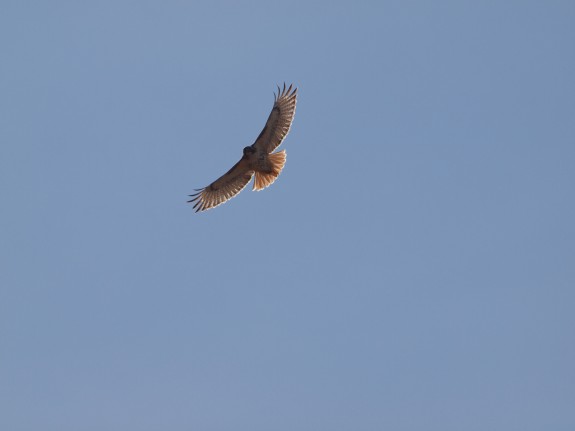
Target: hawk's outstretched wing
224	188
279	121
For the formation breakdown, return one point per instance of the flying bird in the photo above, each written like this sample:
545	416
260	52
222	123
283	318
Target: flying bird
257	159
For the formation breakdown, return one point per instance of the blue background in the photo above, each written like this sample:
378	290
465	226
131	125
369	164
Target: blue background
412	268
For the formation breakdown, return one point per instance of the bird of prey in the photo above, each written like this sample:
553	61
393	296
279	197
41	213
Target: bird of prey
258	158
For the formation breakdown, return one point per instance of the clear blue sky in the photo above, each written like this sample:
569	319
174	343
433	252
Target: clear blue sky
413	268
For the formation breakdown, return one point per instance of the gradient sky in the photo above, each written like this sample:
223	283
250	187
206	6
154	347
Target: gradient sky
413	268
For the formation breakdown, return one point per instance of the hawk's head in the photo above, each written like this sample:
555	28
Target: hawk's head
249	150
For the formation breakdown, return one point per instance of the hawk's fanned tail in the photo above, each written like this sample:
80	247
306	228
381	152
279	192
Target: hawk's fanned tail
263	180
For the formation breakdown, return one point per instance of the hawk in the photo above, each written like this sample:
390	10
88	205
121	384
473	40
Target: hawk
258	158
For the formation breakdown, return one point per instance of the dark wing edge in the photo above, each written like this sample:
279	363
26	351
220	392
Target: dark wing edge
279	121
224	188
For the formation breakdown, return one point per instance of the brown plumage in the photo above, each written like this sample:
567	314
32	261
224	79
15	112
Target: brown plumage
258	158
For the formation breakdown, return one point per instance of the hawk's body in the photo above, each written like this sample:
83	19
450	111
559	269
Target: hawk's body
258	158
